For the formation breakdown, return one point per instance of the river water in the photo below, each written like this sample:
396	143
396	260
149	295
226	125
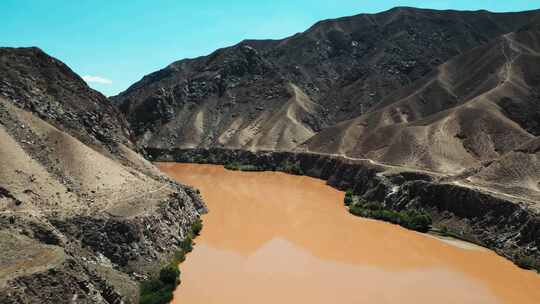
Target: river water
276	238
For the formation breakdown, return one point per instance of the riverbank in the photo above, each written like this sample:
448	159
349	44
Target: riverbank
159	288
291	235
509	228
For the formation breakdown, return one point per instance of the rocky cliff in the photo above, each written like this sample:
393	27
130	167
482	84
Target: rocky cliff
83	217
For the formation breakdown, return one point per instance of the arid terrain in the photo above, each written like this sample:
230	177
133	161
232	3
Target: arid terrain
475	115
447	92
410	108
440	107
345	66
82	214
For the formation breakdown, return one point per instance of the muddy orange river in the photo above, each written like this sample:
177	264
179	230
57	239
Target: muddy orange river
276	238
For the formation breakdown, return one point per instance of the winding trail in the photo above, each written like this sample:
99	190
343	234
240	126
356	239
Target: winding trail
433	173
376	163
136	195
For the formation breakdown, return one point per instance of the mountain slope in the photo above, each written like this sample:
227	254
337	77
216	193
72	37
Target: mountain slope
474	109
37	82
344	66
516	173
75	199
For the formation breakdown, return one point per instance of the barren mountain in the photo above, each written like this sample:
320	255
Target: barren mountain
236	97
476	108
437	110
75	199
515	173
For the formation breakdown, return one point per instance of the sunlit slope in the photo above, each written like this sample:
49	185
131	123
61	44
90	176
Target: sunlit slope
472	109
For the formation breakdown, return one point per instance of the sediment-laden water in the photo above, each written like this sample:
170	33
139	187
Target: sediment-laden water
276	238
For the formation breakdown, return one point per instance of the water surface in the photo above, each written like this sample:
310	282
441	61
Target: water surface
276	238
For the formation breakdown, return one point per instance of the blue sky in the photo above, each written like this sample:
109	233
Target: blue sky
115	42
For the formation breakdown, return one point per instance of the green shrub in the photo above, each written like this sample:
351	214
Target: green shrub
348	200
160	290
232	166
386	215
527	262
250	168
236	166
418	221
295	169
169	275
358	210
151	285
409	219
199	159
187	245
291	168
285	167
179	256
196	227
162	296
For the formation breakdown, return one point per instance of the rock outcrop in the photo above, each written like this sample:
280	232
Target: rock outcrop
83	216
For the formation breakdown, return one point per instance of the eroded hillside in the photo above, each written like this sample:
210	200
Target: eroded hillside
82	215
471	113
343	66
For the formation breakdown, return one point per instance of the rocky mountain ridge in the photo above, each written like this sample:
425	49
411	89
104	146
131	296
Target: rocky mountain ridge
447	92
345	66
468	113
83	216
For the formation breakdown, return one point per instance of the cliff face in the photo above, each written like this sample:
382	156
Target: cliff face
83	216
254	94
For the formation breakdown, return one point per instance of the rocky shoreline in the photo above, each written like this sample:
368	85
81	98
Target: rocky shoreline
103	257
507	227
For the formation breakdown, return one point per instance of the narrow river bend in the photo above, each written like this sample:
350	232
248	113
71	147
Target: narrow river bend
276	238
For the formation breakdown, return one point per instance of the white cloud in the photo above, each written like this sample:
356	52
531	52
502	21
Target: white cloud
96	79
